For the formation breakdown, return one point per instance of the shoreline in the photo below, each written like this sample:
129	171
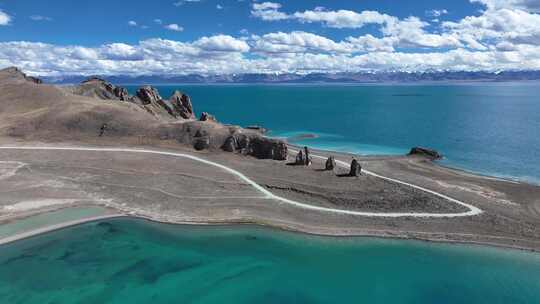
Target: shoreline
373	233
508	179
473	210
407	197
406	228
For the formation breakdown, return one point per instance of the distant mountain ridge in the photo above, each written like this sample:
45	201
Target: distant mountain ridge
380	77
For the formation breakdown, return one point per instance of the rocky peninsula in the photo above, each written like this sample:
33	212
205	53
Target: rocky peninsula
148	156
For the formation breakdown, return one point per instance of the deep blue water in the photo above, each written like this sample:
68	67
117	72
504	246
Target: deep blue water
492	129
133	261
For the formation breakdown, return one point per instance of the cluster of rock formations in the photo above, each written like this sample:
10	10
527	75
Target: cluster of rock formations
304	158
177	106
204	134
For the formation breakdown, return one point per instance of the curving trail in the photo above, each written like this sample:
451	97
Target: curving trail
269	195
472	209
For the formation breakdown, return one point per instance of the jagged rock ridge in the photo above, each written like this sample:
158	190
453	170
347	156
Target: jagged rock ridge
99	88
178	106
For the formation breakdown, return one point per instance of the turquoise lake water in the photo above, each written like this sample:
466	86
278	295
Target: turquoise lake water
492	129
134	261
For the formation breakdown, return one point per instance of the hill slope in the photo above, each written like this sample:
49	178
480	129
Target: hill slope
96	109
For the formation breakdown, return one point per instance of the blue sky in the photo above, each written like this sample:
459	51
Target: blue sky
231	36
93	23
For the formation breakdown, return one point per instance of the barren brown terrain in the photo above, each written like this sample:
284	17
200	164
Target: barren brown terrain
183	190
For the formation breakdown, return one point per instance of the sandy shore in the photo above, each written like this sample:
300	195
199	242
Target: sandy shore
50	228
184	191
420	236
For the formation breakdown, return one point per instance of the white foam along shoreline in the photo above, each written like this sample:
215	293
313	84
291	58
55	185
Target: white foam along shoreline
267	194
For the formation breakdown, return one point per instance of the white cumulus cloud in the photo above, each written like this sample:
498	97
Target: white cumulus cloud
5	19
174	27
528	5
512	25
503	35
268	11
298	42
221	43
343	18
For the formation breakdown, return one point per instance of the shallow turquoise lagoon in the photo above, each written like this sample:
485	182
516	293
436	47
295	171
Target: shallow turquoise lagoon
48	219
491	128
135	261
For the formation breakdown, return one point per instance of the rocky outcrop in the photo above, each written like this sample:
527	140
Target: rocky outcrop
307	155
244	143
330	164
299	160
231	144
182	106
178	106
256	145
303	158
207	117
148	95
99	88
356	168
201	141
425	152
267	148
121	93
